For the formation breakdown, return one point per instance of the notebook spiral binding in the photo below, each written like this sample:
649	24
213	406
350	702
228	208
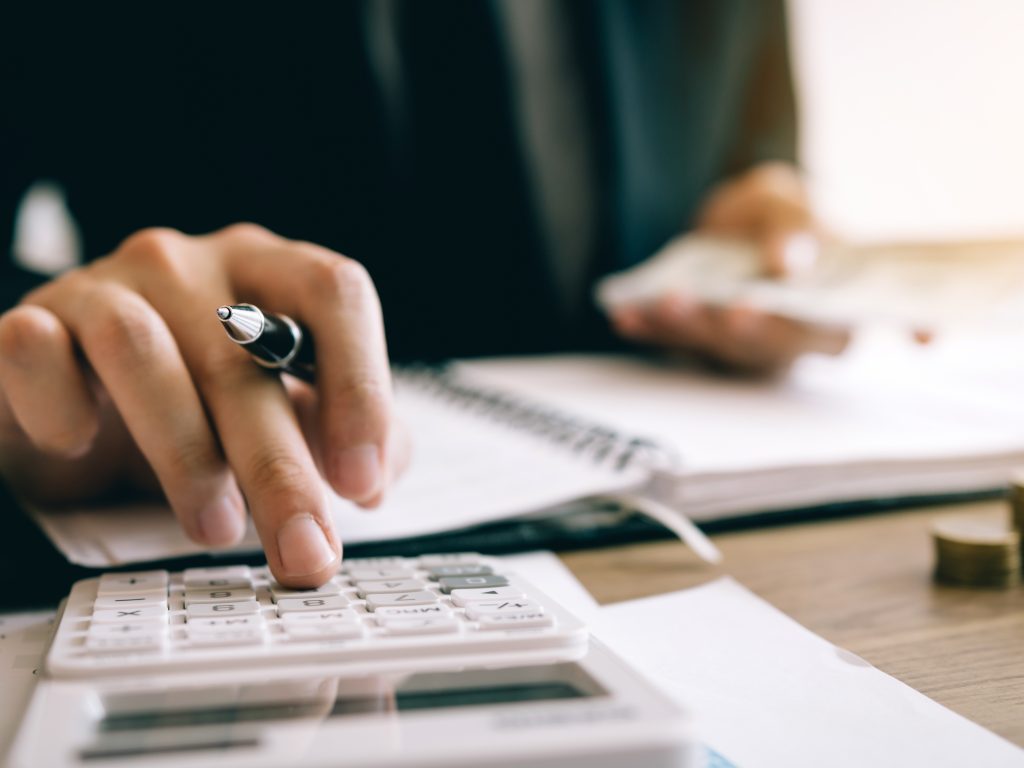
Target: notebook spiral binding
594	441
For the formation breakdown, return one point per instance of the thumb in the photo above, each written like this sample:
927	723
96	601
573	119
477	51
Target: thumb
788	252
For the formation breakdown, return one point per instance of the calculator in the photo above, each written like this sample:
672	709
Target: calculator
445	660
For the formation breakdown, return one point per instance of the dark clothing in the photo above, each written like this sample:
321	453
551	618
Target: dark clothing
148	115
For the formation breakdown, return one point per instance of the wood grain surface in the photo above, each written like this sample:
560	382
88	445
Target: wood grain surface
864	583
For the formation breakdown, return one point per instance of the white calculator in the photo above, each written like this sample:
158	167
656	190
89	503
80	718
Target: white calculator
442	660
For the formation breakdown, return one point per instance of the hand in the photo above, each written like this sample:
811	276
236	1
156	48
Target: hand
118	374
769	206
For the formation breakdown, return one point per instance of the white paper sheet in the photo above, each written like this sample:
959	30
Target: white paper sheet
767	692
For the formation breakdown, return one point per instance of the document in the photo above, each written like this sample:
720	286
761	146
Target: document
768	693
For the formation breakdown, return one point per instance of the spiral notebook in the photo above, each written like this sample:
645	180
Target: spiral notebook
506	438
480	455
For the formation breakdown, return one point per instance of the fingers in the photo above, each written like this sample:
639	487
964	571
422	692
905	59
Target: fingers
210	423
265	446
738	337
135	356
334	297
768	205
257	426
46	392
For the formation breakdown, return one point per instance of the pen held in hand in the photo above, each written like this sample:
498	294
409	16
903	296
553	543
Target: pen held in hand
274	341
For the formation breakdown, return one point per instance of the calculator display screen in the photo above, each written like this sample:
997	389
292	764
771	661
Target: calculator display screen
494	694
331	698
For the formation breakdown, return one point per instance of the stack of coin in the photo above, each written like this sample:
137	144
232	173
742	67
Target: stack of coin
976	552
1017	500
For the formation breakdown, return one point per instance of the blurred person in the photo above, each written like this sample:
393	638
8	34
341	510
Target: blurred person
479	164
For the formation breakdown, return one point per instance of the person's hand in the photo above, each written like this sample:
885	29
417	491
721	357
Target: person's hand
119	376
767	205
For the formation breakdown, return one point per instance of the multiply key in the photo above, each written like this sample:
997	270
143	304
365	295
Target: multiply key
471	582
141	613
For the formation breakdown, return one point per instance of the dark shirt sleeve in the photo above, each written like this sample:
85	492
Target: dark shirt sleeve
767	124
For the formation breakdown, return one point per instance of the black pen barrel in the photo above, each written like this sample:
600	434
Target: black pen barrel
278	343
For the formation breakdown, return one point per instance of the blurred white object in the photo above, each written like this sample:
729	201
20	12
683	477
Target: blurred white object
46	238
922	287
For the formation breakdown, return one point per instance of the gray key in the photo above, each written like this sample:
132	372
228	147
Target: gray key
471	582
444	571
379	574
373	602
452	558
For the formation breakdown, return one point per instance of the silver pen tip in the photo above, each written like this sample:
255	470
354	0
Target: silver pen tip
224	313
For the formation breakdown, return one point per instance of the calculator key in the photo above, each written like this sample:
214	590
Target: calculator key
413	611
121	601
213	610
364	588
373	602
321	617
325	603
144	582
463	597
471	582
227	637
223	577
476	610
125	629
459	570
279	592
252	621
356	563
324	631
218	595
427	625
522	620
141	639
138	614
379	574
453	558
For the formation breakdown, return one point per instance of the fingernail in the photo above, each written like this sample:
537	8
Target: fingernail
222	522
303	547
800	253
357	472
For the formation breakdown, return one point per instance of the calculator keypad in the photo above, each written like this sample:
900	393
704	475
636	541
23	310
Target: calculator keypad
235	615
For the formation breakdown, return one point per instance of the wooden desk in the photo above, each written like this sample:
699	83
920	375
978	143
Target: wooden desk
864	584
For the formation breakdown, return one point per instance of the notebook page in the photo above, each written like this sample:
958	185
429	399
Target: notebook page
466	470
885	400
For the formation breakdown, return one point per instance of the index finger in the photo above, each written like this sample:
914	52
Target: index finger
334	297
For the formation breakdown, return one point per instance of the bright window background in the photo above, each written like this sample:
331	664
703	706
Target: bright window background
913	116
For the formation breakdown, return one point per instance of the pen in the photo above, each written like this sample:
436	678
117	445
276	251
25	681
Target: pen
274	341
